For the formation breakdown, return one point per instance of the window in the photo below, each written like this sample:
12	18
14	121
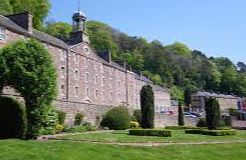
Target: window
62	89
76	90
87	51
96	79
63	71
87	92
111	96
2	34
103	81
103	95
86	62
96	93
76	58
76	73
63	55
87	77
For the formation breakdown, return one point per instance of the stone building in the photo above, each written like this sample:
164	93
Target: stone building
88	82
225	101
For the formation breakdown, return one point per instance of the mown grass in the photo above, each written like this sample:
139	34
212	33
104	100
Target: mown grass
66	150
177	136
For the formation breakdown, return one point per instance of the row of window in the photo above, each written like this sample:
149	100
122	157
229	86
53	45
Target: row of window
87	93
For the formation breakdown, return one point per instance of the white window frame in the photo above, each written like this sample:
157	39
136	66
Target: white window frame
2	33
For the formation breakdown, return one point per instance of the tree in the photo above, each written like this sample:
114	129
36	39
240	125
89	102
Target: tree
181	115
39	9
60	30
27	66
147	107
5	7
212	109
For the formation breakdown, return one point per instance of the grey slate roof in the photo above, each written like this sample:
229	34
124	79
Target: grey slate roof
9	24
159	88
143	78
208	94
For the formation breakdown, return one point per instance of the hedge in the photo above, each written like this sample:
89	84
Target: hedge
211	132
180	127
150	132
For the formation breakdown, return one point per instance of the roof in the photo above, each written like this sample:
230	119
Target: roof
159	88
9	24
142	78
209	94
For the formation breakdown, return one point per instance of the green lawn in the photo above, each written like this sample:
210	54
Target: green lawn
65	150
177	136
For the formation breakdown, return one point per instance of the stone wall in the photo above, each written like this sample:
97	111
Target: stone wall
162	120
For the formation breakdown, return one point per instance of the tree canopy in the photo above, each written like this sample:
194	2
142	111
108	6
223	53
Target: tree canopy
28	67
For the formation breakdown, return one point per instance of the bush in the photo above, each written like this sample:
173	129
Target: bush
134	124
150	132
13	122
180	127
137	116
59	128
233	112
147	107
218	132
201	122
61	117
193	131
49	122
117	118
88	126
78	119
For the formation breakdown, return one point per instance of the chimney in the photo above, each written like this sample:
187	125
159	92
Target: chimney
106	55
25	20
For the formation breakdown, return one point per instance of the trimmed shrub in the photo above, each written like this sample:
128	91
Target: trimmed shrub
61	117
13	122
181	121
180	127
202	122
78	119
193	131
134	124
117	118
147	107
218	132
59	128
137	116
212	109
150	132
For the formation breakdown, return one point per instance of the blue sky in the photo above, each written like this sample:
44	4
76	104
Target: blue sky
215	27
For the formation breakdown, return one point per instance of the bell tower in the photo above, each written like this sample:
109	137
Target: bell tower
79	34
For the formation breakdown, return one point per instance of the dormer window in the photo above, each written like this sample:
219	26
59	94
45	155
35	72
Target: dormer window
2	33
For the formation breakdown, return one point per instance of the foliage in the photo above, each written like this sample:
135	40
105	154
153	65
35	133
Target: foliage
150	132
212	109
27	66
147	107
137	116
193	131
181	121
50	121
13	122
117	118
78	119
233	111
180	127
60	30
59	128
202	122
134	124
5	7
61	117
218	132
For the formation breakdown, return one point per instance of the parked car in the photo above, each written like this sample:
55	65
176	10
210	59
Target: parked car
189	114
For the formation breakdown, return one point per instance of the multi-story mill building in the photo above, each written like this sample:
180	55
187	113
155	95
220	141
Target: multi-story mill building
88	82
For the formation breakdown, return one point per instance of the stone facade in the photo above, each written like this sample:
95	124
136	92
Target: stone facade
225	101
86	82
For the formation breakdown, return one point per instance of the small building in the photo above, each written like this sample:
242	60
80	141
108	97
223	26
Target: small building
225	101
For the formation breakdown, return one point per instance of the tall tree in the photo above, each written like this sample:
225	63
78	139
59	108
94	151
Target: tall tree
60	30
39	9
212	109
181	121
5	7
147	107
